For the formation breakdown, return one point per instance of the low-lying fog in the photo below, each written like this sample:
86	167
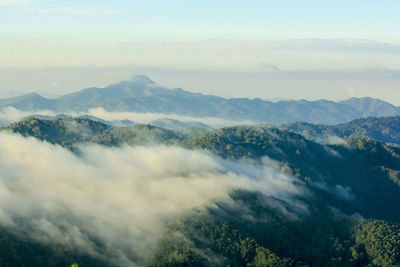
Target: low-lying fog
120	197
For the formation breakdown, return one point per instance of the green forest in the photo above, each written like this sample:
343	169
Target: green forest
360	227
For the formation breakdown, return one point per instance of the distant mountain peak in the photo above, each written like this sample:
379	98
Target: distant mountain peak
141	94
32	95
142	79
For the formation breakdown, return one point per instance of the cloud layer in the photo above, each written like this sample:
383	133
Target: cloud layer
149	117
120	198
9	115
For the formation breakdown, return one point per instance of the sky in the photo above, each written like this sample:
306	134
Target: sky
270	49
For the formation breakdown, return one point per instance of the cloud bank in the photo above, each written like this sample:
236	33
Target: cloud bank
9	115
113	203
149	117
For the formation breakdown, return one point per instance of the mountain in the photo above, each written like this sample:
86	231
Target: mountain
93	118
177	125
348	216
382	129
32	101
70	132
371	107
141	94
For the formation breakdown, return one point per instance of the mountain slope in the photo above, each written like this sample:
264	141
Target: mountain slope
70	132
172	124
30	101
383	129
357	168
371	107
322	227
141	94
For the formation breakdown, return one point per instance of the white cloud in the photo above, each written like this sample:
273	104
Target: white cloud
9	115
120	197
330	139
149	117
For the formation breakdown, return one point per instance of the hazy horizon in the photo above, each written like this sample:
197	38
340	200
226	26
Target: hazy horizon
265	49
223	83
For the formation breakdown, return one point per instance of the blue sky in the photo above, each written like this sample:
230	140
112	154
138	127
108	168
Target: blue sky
179	19
306	48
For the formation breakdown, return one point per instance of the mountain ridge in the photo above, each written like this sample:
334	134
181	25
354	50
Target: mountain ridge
382	129
143	95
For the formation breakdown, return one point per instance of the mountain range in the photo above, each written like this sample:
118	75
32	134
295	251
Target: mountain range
141	94
382	129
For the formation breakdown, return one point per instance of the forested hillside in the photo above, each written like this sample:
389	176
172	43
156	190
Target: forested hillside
382	129
349	215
